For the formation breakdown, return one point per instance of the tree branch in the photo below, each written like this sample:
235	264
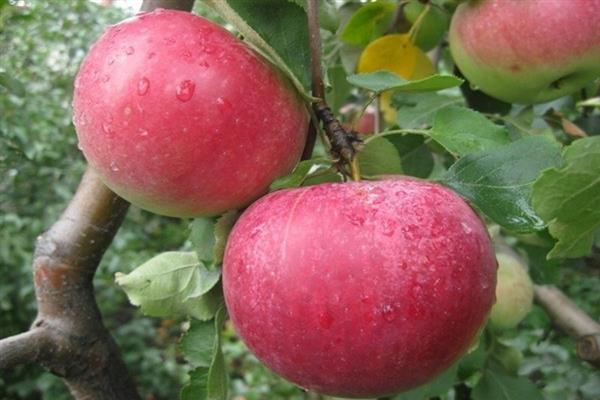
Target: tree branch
68	336
24	348
572	320
344	145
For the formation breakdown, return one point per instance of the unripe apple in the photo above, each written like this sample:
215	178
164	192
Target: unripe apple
514	293
181	118
359	289
527	51
432	26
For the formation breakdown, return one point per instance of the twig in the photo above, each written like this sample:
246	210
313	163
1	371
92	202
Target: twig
344	145
68	336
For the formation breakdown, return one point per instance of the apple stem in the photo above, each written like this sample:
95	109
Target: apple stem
343	144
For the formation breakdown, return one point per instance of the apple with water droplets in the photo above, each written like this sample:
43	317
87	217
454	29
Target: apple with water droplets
527	51
359	289
180	117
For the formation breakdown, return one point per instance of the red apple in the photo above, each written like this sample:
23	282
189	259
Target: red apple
527	51
359	289
181	118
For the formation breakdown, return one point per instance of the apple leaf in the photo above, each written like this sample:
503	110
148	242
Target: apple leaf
497	385
381	81
277	29
415	157
338	88
209	236
173	283
379	157
463	131
566	198
437	387
417	110
304	170
201	347
368	22
499	181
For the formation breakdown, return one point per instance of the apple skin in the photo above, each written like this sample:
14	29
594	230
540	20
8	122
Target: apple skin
359	289
527	51
514	293
181	118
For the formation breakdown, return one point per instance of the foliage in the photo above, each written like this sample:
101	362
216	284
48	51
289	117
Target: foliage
524	167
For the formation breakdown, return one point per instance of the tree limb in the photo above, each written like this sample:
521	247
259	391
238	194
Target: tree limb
68	336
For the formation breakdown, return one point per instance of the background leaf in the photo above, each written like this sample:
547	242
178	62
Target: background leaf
462	131
278	29
173	283
567	198
369	22
495	385
381	81
499	181
417	110
379	157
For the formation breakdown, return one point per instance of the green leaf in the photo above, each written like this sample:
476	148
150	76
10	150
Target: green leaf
566	198
379	157
339	89
592	102
222	229
415	157
437	387
173	283
499	181
417	110
368	22
203	239
278	29
496	385
462	131
201	346
303	171
381	81
209	237
12	84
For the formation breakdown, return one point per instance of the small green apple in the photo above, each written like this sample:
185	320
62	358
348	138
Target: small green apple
514	293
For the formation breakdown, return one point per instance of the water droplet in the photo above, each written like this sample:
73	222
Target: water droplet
209	49
466	228
143	86
105	78
220	101
185	90
79	145
111	61
127	110
107	128
355	218
325	320
388	312
113	166
143	132
169	40
151	55
129	51
187	54
203	64
388	227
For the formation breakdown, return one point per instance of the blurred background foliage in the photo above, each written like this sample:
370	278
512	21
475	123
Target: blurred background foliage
41	46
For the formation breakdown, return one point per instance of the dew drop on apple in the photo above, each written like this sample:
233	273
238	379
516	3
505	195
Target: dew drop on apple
105	78
129	50
107	128
185	90
143	86
143	132
113	166
388	312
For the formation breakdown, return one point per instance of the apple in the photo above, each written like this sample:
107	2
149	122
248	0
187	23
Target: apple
527	51
362	121
359	289
514	293
181	118
433	24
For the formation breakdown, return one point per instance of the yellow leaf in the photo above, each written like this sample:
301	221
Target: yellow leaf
394	53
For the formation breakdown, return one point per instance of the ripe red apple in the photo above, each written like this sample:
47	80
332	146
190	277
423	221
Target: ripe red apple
361	122
181	118
527	51
359	289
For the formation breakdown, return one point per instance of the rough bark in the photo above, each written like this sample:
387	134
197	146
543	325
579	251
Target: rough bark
68	336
